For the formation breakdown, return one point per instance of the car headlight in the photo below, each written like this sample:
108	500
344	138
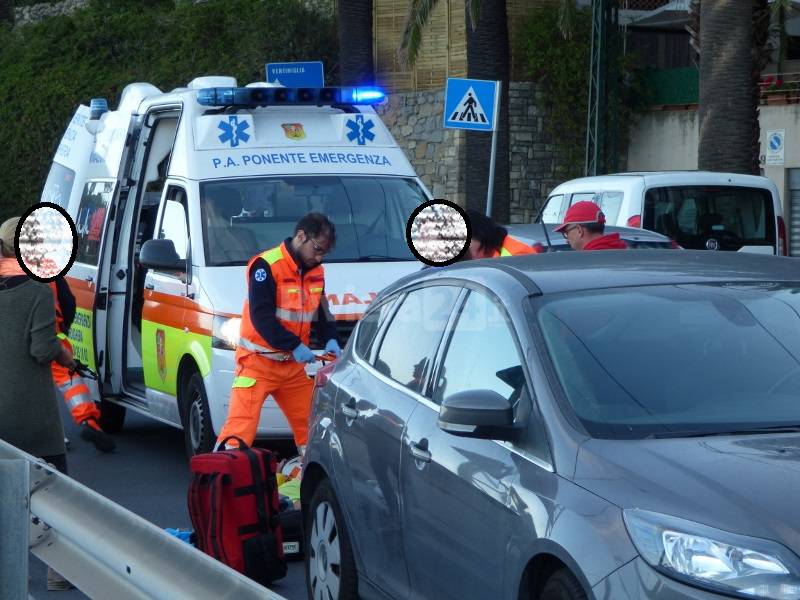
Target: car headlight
717	560
225	332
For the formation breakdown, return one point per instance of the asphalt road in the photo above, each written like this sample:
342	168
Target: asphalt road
147	474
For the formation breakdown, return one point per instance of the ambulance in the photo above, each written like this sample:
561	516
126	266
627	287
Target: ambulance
172	194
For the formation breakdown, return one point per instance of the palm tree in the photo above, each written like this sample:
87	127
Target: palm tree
356	65
7	11
733	37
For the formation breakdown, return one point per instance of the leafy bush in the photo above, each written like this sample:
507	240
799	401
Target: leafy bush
48	69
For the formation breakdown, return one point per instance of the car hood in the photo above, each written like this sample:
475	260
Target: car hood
743	484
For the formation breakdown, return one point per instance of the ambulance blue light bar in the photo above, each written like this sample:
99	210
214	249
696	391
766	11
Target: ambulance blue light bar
282	96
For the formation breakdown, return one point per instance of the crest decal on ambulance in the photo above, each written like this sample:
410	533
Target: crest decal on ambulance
294	131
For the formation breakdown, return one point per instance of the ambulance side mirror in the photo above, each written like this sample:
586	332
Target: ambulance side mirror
161	254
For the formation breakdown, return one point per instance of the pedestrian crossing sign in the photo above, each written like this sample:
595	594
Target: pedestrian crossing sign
471	104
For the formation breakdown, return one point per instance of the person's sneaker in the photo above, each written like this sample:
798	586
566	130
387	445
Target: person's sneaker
91	432
56	583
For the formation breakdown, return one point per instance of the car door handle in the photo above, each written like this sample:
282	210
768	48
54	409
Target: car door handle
420	451
349	410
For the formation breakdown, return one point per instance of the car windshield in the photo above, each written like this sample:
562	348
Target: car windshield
675	360
693	215
243	217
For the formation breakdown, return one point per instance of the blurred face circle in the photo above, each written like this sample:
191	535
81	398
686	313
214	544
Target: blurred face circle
438	233
46	241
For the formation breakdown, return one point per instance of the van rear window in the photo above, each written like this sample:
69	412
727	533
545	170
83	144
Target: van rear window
243	217
711	217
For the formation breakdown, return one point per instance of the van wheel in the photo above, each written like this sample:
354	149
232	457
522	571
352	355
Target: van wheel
112	416
562	585
330	568
198	434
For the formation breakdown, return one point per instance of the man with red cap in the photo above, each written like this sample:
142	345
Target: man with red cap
583	228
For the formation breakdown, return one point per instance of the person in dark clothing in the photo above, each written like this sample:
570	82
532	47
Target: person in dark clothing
490	240
584	227
286	295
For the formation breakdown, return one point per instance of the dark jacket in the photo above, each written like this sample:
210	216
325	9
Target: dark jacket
29	416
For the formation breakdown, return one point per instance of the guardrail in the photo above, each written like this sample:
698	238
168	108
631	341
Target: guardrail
105	550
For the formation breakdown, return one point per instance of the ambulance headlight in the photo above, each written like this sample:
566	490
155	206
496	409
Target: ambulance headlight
721	561
225	332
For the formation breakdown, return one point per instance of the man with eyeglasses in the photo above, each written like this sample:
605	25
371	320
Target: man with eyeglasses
286	294
584	227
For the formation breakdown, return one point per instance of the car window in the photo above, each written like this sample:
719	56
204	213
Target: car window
729	352
551	213
368	326
610	203
481	354
693	215
412	338
584	197
91	221
174	224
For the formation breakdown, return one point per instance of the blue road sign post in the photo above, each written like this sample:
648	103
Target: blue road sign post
474	104
297	74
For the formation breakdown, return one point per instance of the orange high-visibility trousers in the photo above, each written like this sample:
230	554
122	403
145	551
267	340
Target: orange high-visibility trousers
256	378
75	391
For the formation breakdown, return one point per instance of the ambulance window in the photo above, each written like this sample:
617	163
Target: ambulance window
174	222
58	187
91	221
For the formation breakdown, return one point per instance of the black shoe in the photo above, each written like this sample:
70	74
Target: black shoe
98	437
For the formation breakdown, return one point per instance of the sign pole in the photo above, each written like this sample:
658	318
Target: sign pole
490	188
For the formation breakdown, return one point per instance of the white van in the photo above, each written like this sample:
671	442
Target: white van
699	210
219	173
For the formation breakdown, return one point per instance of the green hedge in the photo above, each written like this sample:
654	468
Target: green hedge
48	69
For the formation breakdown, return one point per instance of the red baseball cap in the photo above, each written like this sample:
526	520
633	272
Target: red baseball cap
582	213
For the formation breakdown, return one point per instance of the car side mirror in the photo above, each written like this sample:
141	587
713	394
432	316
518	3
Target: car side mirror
161	254
481	414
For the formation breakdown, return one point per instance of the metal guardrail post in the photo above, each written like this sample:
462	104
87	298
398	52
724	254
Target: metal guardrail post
106	551
14	515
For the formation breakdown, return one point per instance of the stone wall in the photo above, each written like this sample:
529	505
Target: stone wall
437	154
37	12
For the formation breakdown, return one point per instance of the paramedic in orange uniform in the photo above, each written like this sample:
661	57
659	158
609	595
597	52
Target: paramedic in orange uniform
286	294
76	394
490	240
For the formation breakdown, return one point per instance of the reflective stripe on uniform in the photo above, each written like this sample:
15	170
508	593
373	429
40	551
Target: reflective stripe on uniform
77	400
295	316
316	290
504	252
293	291
243	382
277	356
61	336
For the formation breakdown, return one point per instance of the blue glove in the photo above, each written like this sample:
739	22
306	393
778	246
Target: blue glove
333	346
303	355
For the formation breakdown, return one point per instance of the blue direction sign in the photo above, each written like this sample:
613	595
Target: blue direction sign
297	74
471	104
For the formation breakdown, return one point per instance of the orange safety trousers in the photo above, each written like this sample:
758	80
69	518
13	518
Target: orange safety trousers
75	391
257	377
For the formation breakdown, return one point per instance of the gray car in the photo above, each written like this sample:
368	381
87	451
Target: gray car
542	237
610	425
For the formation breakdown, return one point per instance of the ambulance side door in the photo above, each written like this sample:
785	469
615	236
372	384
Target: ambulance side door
165	296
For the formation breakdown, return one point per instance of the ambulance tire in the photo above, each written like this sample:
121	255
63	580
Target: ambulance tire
112	416
326	536
198	433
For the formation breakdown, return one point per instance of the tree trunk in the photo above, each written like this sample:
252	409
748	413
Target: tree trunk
356	65
731	50
488	58
7	11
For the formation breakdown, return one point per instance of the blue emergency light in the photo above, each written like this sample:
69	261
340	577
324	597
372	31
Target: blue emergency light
283	96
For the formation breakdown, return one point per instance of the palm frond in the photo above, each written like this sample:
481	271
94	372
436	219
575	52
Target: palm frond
567	14
419	13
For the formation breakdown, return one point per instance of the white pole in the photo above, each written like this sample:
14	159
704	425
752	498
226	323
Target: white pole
490	188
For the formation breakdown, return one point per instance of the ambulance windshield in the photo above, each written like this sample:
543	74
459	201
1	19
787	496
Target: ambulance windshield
243	217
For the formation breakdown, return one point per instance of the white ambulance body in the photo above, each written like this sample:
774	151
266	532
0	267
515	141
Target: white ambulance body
222	181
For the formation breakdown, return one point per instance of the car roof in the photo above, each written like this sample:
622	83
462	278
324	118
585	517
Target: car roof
666	177
557	272
532	232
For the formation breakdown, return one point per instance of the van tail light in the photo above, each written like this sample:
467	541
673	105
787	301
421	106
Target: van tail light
323	375
783	248
634	221
538	248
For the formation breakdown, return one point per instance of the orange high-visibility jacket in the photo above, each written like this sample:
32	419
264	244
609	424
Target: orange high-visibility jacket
59	315
297	298
513	247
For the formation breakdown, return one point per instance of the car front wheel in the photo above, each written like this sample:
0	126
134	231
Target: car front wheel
562	585
330	568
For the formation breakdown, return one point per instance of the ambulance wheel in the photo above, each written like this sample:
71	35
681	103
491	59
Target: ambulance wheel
198	433
330	568
112	416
